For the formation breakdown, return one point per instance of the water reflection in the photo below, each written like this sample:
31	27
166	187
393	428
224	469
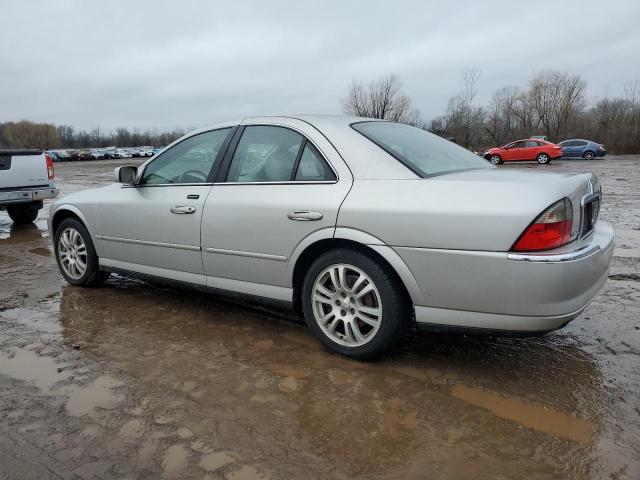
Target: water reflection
250	382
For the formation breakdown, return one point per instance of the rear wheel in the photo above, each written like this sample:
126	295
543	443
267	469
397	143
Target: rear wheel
588	155
354	304
24	212
76	255
543	158
495	159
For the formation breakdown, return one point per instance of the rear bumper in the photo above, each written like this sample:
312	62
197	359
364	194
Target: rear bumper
27	195
531	293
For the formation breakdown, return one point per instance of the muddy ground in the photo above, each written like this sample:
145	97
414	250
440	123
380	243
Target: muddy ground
134	380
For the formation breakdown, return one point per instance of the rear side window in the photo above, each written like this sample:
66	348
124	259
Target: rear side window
312	168
268	153
265	154
422	152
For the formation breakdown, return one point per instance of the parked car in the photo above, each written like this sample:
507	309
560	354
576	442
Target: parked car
63	155
53	155
124	153
586	149
364	226
85	155
97	154
26	179
522	150
112	153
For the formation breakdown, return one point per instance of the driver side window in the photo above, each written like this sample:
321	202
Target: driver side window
190	161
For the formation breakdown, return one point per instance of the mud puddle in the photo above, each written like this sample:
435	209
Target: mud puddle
161	383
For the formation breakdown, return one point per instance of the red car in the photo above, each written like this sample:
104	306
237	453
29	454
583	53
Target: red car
528	149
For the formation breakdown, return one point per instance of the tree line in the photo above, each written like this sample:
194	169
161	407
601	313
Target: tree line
26	134
552	104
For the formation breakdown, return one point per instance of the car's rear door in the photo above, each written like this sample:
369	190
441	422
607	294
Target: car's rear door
280	182
570	148
532	149
153	226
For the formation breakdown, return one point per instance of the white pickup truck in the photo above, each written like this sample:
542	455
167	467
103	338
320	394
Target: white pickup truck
26	178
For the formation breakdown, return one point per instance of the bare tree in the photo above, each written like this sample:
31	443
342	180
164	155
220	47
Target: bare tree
465	120
381	99
557	98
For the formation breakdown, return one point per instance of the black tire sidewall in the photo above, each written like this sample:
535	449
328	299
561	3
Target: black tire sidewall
93	270
545	162
22	213
395	316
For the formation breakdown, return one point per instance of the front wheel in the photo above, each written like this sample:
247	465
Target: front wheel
76	255
495	159
588	155
543	158
354	304
24	212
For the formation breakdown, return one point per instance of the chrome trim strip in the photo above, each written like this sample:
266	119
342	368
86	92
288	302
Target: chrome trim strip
288	182
177	246
571	256
145	185
265	256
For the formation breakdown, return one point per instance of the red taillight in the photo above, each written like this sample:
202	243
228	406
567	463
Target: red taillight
50	172
550	230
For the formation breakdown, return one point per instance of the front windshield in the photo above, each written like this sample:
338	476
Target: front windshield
424	153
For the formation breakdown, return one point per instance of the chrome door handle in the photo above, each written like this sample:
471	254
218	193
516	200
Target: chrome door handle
304	215
182	209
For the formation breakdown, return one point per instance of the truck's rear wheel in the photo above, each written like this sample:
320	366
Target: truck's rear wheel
76	255
24	212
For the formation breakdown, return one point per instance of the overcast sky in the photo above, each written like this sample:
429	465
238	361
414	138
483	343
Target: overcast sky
155	64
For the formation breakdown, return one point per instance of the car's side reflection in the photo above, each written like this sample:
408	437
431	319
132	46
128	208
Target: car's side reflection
267	388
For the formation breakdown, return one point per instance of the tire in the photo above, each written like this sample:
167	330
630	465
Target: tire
495	159
543	159
385	296
68	250
24	212
588	155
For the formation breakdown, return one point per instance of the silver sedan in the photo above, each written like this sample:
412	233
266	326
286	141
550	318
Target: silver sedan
363	226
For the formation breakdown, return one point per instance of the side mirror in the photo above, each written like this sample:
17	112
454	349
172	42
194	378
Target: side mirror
125	175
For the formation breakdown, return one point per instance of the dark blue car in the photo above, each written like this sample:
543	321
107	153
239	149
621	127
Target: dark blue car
586	149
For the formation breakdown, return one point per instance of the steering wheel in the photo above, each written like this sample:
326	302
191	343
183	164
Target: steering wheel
193	173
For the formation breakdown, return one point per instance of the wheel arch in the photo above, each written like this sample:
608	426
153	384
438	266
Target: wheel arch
308	251
71	211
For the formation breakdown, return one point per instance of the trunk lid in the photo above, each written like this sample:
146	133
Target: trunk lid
484	209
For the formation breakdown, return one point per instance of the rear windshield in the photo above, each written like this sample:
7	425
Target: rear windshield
424	153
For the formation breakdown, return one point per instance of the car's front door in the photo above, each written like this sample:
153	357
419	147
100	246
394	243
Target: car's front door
516	151
153	226
278	184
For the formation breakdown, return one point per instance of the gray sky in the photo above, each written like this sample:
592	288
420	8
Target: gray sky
192	63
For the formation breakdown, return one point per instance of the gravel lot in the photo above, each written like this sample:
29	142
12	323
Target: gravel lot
134	380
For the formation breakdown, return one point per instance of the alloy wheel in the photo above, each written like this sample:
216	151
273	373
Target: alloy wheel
495	159
346	305
543	158
72	253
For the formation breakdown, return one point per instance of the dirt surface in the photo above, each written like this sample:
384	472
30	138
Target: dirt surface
134	380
